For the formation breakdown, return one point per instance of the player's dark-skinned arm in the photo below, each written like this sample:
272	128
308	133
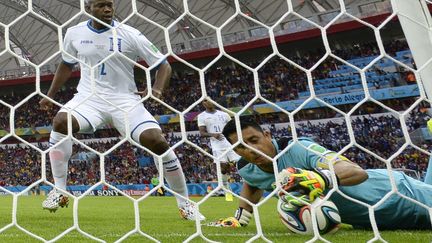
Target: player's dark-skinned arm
204	133
163	76
162	79
244	212
63	73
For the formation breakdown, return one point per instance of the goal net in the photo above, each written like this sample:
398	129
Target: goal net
354	76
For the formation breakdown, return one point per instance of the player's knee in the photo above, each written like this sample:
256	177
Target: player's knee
153	140
60	123
159	146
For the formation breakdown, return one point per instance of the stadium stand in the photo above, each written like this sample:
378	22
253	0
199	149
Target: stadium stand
229	91
123	165
377	133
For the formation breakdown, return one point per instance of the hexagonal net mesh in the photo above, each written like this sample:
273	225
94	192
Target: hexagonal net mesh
288	82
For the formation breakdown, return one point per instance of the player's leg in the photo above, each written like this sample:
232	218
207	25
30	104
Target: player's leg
145	130
59	157
61	152
231	157
83	119
153	140
225	169
172	169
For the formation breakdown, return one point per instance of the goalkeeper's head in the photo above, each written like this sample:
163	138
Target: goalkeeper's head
254	136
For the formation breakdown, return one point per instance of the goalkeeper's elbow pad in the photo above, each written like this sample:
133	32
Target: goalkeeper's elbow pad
243	216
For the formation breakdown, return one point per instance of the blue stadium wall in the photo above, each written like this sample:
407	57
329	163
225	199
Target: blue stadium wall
195	189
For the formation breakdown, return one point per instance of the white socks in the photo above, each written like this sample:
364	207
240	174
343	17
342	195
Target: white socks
61	153
173	173
59	157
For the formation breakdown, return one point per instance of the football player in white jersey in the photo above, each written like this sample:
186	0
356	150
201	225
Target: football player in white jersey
211	123
90	42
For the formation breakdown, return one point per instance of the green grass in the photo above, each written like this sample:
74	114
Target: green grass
109	218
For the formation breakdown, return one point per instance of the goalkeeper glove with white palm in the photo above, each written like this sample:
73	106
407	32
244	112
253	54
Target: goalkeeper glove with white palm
243	216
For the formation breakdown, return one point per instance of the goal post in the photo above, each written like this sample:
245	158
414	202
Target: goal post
415	19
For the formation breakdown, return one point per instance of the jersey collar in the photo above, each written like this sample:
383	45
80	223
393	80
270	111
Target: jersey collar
89	25
211	112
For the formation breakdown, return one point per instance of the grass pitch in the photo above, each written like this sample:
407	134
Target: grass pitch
109	218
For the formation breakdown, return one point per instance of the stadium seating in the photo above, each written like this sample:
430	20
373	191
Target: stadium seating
122	166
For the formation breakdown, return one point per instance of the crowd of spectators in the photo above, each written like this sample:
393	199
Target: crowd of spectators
228	83
381	134
28	114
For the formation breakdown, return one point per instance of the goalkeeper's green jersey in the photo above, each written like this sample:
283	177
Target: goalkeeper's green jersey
395	213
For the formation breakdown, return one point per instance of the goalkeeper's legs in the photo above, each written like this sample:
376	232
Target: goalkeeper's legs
428	176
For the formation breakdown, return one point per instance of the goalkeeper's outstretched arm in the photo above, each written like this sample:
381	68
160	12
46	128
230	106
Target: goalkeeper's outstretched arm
244	212
349	173
315	182
252	194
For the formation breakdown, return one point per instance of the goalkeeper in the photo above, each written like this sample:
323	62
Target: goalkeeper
309	172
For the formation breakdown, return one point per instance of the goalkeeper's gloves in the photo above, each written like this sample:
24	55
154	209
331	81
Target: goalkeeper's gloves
243	216
311	183
292	198
226	222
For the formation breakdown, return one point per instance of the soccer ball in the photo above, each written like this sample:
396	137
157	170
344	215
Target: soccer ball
299	219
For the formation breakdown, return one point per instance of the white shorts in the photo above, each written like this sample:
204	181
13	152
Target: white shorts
231	156
94	113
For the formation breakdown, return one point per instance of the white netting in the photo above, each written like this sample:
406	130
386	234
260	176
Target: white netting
343	14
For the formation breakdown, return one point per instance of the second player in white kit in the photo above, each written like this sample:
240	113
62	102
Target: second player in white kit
214	124
211	123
